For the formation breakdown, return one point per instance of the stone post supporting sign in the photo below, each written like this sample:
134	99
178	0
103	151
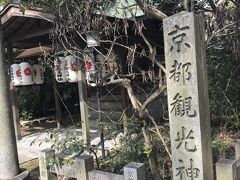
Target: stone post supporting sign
188	97
44	158
84	164
134	171
237	150
227	169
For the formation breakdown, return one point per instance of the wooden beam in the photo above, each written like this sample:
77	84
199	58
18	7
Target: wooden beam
32	52
57	103
82	92
124	96
15	112
25	45
17	11
27	35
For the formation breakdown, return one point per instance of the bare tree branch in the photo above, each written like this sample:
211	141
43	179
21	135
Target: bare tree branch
127	84
218	31
160	135
158	131
221	2
151	11
147	42
212	4
151	98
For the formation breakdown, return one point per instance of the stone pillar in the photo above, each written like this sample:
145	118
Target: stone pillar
226	169
83	165
43	158
237	164
237	150
188	103
8	149
237	157
134	171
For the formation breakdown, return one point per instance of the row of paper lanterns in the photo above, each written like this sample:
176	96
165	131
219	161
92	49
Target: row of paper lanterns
66	68
26	74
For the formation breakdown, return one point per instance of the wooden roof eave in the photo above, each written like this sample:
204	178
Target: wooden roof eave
14	11
32	52
11	18
36	51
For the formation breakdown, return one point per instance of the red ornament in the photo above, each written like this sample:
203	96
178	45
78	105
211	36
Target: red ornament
27	72
18	73
88	65
74	67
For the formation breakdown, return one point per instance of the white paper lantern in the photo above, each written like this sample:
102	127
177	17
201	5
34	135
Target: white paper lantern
60	69
103	69
90	77
38	74
89	62
16	77
92	39
71	69
90	69
27	73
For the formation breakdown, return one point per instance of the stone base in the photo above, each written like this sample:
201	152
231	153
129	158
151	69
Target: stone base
21	176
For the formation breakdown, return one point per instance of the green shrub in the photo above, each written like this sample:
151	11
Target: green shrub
220	147
28	102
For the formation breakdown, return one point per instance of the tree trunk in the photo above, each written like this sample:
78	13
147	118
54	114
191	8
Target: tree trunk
152	159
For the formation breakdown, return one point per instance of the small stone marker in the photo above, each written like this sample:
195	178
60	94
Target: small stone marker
134	171
237	164
237	150
83	164
237	157
226	169
67	170
44	157
188	102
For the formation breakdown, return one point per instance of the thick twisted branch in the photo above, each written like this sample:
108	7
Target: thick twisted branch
151	11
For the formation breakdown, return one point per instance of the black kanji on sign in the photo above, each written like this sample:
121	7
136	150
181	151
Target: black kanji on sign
185	139
180	71
130	175
185	173
177	37
182	106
